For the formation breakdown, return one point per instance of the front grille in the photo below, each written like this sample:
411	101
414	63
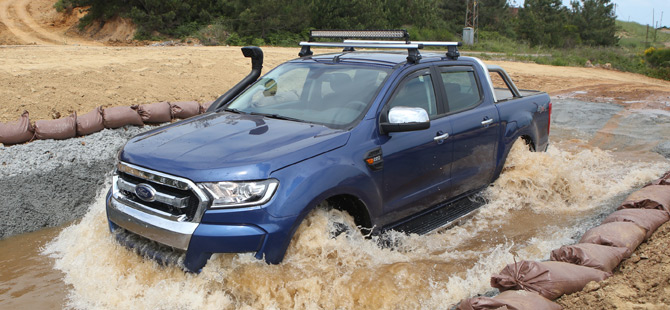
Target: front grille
186	204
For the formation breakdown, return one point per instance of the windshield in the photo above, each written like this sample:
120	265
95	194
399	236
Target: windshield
332	95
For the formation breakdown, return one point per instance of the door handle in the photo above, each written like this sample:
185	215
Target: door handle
441	137
487	122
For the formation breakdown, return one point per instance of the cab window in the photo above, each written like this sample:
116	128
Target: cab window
416	92
461	88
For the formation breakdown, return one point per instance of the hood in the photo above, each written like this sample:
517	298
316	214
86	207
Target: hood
230	147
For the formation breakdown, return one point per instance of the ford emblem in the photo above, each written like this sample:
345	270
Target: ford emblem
145	192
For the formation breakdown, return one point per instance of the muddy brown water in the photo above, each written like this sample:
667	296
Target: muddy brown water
599	153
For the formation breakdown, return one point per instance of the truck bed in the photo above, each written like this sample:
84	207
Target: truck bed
503	93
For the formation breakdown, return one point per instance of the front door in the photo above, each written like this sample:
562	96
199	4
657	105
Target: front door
416	163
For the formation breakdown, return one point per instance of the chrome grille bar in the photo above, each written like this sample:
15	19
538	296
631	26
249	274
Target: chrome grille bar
177	202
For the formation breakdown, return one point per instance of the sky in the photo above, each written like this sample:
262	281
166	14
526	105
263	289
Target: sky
639	11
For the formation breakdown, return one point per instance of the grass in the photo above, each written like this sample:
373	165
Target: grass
635	35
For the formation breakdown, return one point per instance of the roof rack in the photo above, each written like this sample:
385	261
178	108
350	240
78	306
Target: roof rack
452	47
349	45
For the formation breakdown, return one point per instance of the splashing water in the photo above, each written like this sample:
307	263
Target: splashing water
532	208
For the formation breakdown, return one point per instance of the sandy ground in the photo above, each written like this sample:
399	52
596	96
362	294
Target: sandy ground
640	282
49	69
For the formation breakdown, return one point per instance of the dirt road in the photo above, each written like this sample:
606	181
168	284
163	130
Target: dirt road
50	71
37	22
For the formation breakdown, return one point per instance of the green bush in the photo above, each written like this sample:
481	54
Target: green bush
658	57
215	34
234	39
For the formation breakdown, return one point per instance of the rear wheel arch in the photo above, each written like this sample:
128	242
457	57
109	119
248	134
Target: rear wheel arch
529	141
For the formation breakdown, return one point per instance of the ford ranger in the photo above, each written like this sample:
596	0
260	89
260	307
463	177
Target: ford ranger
398	139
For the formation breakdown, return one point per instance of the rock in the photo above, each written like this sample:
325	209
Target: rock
591	286
634	258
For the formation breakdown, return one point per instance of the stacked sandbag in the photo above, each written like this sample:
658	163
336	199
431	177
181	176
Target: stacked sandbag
57	129
649	219
649	197
549	279
512	300
159	112
116	117
618	234
16	132
184	109
90	122
601	257
205	106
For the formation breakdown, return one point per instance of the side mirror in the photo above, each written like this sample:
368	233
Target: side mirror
406	119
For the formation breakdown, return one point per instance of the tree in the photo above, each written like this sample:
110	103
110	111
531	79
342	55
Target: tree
595	21
545	22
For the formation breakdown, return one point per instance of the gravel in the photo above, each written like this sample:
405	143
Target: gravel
48	183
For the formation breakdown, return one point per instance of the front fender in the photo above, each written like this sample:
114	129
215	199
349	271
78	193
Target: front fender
306	184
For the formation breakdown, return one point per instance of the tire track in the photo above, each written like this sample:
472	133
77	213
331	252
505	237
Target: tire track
16	18
21	9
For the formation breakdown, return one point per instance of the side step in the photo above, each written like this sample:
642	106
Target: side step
442	216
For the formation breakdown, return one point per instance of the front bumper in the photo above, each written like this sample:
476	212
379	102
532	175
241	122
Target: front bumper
268	237
150	225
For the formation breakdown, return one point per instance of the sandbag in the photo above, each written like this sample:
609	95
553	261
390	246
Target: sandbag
17	132
649	219
57	129
90	122
116	117
650	197
512	300
158	112
549	279
663	180
184	109
601	257
659	182
205	106
619	234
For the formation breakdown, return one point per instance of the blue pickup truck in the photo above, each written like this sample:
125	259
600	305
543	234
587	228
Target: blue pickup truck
398	139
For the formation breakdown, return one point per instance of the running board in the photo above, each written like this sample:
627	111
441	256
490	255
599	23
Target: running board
442	216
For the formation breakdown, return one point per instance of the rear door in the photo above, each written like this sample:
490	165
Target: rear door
416	163
475	125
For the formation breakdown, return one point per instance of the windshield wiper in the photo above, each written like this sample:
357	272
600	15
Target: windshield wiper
234	111
277	116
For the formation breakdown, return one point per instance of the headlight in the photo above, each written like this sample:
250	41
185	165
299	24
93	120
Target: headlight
239	194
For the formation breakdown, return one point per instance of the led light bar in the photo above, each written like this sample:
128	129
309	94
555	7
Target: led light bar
360	34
